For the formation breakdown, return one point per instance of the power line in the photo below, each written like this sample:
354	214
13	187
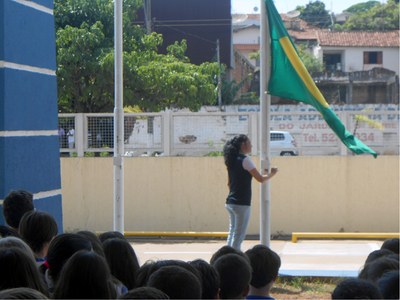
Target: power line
188	34
190	25
196	20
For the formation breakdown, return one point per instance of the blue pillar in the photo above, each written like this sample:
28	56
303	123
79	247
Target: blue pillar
29	147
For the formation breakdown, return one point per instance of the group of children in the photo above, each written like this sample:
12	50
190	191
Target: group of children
37	263
379	277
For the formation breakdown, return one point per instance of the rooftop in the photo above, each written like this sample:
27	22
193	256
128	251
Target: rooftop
298	29
359	38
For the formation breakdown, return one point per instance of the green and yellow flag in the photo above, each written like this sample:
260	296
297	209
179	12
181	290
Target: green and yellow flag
290	79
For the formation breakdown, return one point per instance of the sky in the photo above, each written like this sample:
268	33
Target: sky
283	6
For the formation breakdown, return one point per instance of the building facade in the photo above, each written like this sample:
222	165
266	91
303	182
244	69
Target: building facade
359	67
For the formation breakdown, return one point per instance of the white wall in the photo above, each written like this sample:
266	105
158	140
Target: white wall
313	135
353	58
247	36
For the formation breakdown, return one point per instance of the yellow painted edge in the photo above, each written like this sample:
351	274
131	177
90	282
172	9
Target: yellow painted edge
354	235
175	234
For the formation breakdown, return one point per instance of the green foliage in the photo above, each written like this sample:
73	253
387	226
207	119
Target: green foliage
215	153
152	81
178	50
104	154
315	14
89	154
255	55
230	89
380	17
132	109
312	63
79	57
362	7
248	98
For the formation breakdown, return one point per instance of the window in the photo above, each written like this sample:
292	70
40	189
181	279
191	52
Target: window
332	61
373	58
277	137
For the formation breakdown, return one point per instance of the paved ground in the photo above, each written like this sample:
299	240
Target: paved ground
330	258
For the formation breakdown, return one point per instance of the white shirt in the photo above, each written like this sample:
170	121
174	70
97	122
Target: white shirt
71	135
248	164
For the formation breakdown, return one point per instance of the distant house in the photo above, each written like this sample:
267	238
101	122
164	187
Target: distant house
246	42
342	17
360	67
246	35
359	51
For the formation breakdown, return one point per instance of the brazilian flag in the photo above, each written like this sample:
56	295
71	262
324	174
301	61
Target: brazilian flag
290	79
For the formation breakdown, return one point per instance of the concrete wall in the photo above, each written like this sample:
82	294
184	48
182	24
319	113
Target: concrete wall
188	194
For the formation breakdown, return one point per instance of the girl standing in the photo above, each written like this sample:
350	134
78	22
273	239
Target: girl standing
241	170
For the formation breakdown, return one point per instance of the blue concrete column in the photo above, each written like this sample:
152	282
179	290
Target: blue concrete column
29	146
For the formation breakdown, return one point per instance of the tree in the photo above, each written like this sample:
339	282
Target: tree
312	63
315	14
381	17
167	80
361	7
231	88
80	57
152	81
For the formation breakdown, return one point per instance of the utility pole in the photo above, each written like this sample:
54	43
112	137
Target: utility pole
219	77
147	15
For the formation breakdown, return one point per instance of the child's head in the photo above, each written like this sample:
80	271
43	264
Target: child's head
38	228
61	248
355	288
15	205
265	264
176	282
210	278
235	275
392	245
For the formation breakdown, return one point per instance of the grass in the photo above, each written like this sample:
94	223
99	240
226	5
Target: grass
304	287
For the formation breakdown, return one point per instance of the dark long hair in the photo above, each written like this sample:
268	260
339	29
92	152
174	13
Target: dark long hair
94	240
232	148
61	248
37	228
17	269
122	260
84	276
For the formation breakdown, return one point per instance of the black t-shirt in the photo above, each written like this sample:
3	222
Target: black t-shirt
239	183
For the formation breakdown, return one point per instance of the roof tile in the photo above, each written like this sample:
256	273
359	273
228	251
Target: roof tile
359	38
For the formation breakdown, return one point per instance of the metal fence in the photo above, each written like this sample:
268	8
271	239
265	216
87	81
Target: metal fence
197	134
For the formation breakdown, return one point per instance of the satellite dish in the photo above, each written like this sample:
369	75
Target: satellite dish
239	18
255	9
293	14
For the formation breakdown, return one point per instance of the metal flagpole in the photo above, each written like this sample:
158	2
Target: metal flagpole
265	103
118	121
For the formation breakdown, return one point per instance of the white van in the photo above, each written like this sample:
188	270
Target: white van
282	143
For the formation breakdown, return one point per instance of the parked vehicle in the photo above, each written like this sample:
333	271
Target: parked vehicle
282	143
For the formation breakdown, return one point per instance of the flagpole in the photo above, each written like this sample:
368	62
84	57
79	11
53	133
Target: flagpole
118	121
265	103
